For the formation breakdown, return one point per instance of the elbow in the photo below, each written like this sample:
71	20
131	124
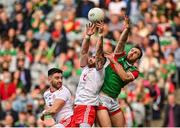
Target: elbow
125	78
53	111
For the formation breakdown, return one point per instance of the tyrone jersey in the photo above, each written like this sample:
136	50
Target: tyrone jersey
90	83
63	94
112	82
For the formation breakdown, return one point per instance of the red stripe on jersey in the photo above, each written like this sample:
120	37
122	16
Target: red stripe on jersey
135	73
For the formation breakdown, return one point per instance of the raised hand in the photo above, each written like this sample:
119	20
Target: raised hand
127	22
110	56
100	26
90	29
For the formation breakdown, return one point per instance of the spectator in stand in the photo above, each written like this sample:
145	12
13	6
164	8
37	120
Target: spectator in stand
42	34
7	107
58	39
83	8
24	73
4	23
155	27
7	87
18	24
177	62
8	121
172	113
115	6
114	23
22	122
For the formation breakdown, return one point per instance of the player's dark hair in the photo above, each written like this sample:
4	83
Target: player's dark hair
54	70
141	52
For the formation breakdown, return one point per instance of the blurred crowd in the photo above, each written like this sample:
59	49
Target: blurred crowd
36	35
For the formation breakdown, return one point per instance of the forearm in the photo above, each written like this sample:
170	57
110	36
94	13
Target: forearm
123	38
122	73
99	45
119	70
85	45
84	51
99	53
50	111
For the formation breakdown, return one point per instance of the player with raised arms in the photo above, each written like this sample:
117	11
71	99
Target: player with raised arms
117	74
91	79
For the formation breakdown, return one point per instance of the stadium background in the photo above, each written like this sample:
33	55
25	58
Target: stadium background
36	35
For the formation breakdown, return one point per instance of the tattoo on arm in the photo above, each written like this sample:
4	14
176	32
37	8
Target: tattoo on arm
84	51
100	59
121	43
85	46
125	76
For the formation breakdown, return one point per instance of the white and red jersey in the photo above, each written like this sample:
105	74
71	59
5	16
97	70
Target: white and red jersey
89	86
64	94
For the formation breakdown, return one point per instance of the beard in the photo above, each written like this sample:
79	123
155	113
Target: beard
56	85
91	65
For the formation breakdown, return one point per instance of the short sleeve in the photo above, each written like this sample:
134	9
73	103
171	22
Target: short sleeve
63	94
135	73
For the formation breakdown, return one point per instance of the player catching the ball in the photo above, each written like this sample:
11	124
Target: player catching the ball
109	113
91	79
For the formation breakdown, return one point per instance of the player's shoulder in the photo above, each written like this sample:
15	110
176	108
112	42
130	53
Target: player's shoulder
64	90
47	92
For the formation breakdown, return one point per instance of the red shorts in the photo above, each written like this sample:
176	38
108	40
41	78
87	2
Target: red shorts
84	114
67	122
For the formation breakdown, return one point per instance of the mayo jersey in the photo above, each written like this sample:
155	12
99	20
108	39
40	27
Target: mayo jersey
63	94
112	82
89	86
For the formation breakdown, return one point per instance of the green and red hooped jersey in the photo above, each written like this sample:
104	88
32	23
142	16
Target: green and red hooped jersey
112	82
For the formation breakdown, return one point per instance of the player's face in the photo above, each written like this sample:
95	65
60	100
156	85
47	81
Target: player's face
133	54
91	61
56	80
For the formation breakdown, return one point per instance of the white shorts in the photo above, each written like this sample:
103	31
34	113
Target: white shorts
108	103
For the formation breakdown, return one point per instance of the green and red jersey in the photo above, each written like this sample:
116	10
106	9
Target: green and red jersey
112	82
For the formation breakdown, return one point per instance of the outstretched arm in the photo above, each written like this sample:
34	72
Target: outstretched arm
100	59
85	44
125	76
123	38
